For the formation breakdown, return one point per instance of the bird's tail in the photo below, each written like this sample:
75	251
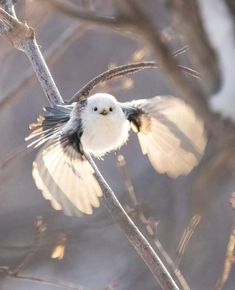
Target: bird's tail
49	124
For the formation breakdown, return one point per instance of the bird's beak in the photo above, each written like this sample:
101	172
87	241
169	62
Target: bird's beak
104	112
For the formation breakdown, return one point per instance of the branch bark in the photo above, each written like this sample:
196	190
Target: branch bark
56	50
136	238
23	38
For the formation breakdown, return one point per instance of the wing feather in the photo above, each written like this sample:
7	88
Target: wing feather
60	170
66	179
169	132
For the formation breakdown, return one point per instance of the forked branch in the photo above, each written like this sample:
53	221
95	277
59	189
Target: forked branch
23	38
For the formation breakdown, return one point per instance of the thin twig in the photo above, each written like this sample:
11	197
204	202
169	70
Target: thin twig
150	223
42	281
230	253
142	25
13	157
121	71
72	10
8	5
24	40
187	20
186	237
54	53
138	241
40	229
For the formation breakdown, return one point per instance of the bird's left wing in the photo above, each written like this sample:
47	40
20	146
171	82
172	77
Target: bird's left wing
169	132
60	170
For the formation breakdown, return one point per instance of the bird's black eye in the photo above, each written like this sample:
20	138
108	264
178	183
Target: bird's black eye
110	109
95	109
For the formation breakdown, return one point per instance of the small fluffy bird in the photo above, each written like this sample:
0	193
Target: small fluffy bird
168	130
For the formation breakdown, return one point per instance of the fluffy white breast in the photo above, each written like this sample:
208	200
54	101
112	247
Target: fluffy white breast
105	127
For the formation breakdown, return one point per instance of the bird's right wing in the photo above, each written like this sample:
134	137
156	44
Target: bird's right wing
66	179
60	170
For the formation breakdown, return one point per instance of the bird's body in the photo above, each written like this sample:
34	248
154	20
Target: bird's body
104	129
168	130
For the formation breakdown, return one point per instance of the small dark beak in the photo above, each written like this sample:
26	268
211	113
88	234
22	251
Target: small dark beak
104	112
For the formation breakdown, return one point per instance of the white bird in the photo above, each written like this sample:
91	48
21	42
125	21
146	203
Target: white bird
168	130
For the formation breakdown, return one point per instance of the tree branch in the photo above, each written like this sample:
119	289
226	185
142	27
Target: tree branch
121	71
23	38
8	6
54	52
186	18
141	25
136	238
72	10
192	95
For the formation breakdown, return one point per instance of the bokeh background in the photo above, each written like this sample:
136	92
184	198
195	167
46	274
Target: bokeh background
97	255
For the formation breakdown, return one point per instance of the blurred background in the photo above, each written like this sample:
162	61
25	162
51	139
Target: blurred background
190	219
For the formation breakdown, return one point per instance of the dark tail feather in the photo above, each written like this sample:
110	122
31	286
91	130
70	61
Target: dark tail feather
49	124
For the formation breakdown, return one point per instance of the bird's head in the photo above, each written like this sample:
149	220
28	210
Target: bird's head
102	105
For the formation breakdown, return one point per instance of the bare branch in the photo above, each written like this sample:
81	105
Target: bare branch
230	254
186	237
23	38
40	227
72	10
138	241
8	6
108	75
11	21
42	281
141	24
150	223
13	157
187	20
56	50
121	71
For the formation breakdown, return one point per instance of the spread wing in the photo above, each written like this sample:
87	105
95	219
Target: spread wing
60	169
169	132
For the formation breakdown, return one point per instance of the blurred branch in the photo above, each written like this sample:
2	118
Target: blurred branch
72	10
23	38
124	70
150	223
54	53
40	227
230	253
42	281
231	6
136	238
186	237
13	157
168	64
8	6
187	20
141	24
